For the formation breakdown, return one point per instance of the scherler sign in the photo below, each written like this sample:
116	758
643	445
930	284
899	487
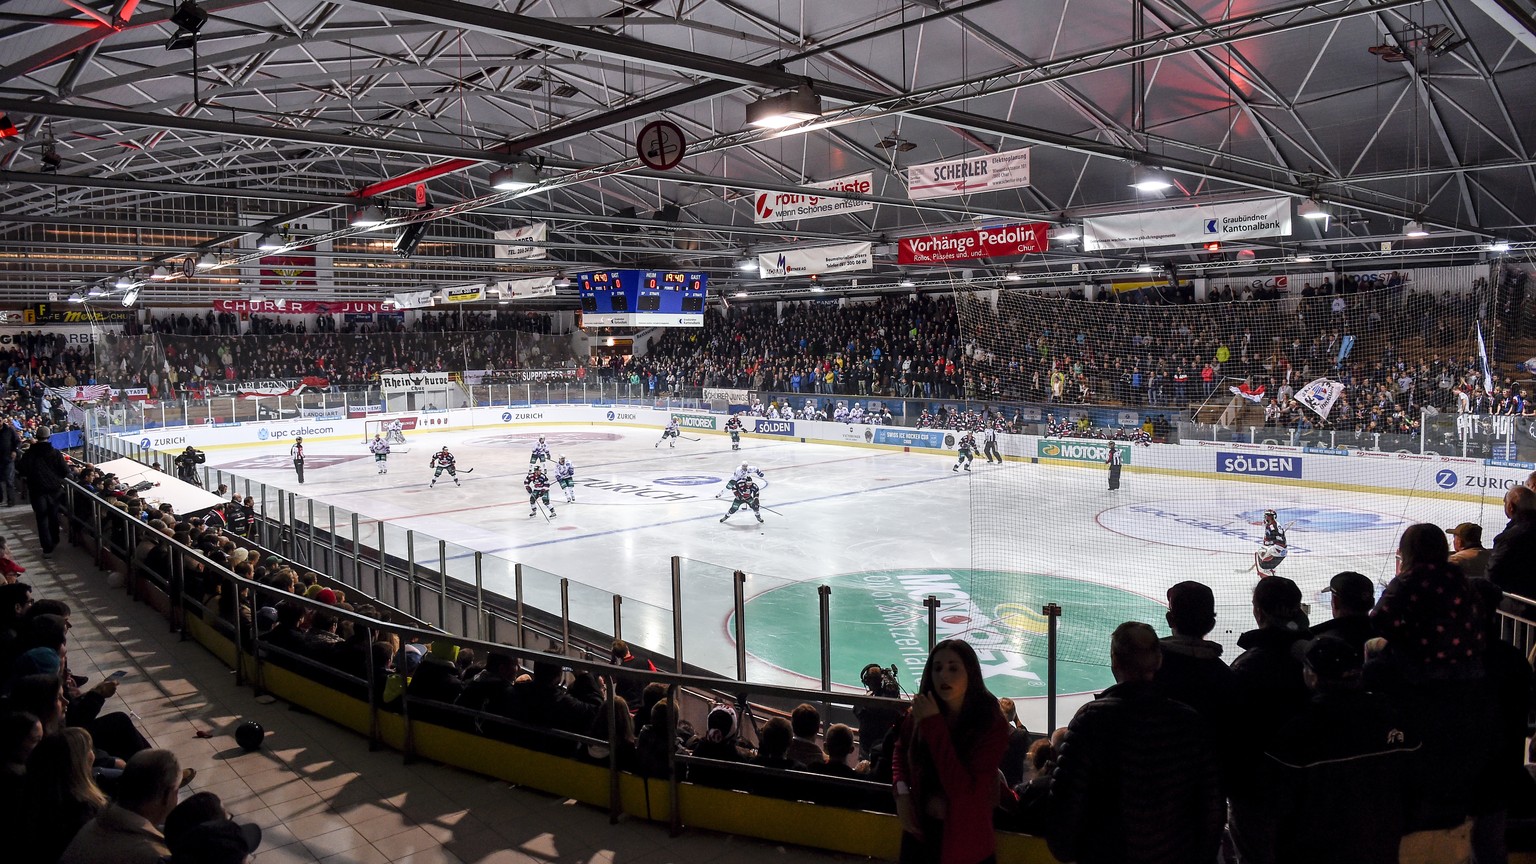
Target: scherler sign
415	382
1266	217
964	176
780	206
1023	239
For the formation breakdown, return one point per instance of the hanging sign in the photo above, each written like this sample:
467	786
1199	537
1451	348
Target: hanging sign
1025	239
821	259
1266	217
661	145
987	173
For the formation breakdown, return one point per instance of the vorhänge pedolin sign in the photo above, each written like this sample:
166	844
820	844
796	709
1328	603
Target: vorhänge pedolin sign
1266	217
781	206
987	173
1023	239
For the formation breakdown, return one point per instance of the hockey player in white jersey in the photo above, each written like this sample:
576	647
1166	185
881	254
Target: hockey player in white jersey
394	433
380	449
672	431
540	453
565	476
743	472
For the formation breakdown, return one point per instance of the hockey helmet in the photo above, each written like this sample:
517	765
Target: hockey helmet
560	458
298	440
1269	514
744	466
541	439
445	448
377	436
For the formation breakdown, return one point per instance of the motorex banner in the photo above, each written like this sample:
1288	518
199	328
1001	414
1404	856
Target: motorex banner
1266	217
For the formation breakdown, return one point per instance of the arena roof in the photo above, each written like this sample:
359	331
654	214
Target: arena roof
128	153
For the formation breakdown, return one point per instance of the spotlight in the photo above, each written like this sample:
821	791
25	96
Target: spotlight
51	159
189	19
94	291
1303	259
1145	178
1246	255
410	237
269	241
817	289
519	176
7	128
1065	233
124	282
160	273
1498	246
131	297
906	283
208	261
1013	276
1311	209
785	109
1414	228
563	281
740	294
747	261
367	216
77	297
897	143
1144	267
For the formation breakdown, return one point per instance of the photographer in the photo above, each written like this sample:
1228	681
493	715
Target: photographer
876	723
186	465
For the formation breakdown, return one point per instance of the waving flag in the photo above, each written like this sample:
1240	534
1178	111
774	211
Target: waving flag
1252	394
1482	354
1320	395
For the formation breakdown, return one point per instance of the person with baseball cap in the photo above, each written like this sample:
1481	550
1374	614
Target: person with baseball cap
1352	596
1193	671
1467	550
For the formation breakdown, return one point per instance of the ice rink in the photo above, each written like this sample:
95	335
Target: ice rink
883	529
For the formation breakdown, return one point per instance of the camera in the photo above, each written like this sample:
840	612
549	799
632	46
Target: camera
881	680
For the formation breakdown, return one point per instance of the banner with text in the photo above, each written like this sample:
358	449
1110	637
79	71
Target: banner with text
538	232
1266	217
1023	239
987	173
522	289
414	382
279	306
782	206
822	259
68	313
462	294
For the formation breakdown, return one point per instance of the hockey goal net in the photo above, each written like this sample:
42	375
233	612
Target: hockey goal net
383	427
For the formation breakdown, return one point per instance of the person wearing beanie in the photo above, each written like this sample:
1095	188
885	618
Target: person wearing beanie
43	469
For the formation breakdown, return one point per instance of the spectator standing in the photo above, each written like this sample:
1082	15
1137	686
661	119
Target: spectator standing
1351	595
945	764
626	686
1338	773
1018	744
43	469
1512	563
10	450
1136	779
125	832
1467	550
1192	670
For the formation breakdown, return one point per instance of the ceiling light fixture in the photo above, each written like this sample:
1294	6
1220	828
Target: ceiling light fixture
514	177
1303	259
124	281
896	142
1144	267
367	216
1013	276
1311	209
269	241
1498	246
740	294
77	297
785	109
1145	178
906	283
562	281
817	289
131	297
161	273
1414	228
189	19
208	261
1065	233
747	261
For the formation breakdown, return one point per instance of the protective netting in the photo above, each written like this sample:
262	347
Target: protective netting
1046	529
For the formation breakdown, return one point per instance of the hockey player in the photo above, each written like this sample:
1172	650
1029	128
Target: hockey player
380	450
672	431
296	453
540	453
1272	553
442	461
186	465
743	472
746	493
733	426
395	433
537	484
967	452
1115	463
565	476
989	440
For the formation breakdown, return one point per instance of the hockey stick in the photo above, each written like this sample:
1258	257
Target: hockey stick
466	470
770	509
689	438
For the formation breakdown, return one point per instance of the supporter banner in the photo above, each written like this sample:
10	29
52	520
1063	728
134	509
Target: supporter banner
781	206
735	397
280	306
1319	395
288	269
694	421
68	313
1266	217
987	173
135	394
517	289
264	387
11	317
821	259
73	334
462	294
538	232
909	437
1080	451
88	393
1255	465
415	382
775	427
980	243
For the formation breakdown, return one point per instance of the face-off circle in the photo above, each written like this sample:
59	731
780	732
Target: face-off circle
1230	525
553	439
686	480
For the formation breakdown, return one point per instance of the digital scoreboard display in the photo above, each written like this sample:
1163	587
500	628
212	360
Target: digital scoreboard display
643	298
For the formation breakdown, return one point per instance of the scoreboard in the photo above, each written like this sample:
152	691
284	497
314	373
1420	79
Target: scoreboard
642	298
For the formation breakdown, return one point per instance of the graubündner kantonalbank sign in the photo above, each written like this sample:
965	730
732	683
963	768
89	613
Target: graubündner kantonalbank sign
1266	217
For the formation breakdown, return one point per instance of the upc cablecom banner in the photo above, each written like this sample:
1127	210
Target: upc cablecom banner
1266	217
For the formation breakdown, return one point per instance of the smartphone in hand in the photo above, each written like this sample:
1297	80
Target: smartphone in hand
118	675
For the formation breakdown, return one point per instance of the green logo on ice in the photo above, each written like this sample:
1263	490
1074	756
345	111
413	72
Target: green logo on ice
878	617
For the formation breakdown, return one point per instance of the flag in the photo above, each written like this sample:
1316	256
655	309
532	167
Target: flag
1252	394
1482	355
1345	346
1320	395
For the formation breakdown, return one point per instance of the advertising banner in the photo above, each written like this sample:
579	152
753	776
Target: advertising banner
1266	217
413	299
821	259
520	289
279	306
1007	240
538	232
781	206
414	382
694	421
1080	451
775	427
462	294
72	334
735	397
987	173
1255	465
909	437
69	313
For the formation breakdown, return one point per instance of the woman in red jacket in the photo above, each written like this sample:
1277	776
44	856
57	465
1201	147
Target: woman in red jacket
946	759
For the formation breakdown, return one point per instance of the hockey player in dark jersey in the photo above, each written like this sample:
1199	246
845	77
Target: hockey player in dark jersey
442	461
537	484
733	426
746	493
967	452
1272	554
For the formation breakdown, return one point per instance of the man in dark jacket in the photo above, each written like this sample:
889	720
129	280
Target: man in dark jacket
10	449
43	469
1193	671
1512	564
1137	779
1337	774
1352	595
